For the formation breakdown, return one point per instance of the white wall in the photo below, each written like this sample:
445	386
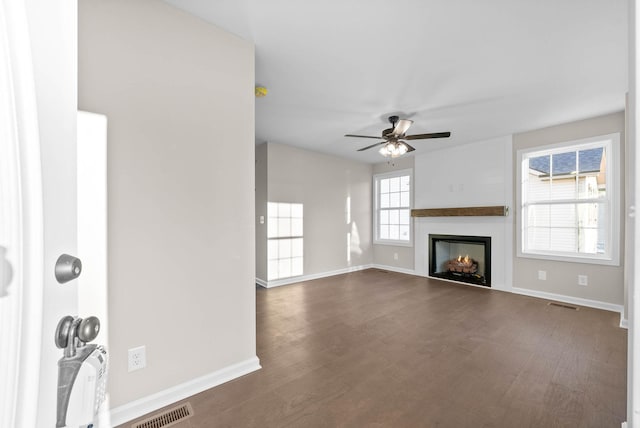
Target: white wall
329	188
477	174
261	209
606	283
178	93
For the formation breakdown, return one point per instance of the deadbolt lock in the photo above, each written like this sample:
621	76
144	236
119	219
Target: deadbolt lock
67	268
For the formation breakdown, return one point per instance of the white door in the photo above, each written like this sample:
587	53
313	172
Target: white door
54	40
39	51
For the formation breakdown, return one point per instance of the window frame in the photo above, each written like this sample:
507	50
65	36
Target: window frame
277	237
613	174
376	207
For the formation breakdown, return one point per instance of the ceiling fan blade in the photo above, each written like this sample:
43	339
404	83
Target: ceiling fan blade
361	136
424	136
409	146
401	127
372	146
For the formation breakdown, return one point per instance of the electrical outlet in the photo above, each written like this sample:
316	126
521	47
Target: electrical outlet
137	358
395	256
542	275
583	280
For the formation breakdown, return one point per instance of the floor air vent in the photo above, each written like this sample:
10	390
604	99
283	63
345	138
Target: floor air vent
167	418
562	305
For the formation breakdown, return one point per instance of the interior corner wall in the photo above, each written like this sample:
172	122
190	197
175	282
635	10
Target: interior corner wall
177	92
336	194
261	210
385	255
606	283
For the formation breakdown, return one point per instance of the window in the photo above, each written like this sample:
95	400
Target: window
284	240
392	208
569	201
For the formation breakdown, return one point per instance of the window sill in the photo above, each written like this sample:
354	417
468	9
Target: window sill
570	259
393	243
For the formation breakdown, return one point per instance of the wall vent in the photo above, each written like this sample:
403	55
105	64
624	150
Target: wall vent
167	418
563	305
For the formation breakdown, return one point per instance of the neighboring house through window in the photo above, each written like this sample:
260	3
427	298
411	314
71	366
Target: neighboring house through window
569	197
392	208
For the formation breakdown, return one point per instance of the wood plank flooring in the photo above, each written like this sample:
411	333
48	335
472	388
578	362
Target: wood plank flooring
382	349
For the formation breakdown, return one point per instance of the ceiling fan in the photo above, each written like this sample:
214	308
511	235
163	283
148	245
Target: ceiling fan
394	145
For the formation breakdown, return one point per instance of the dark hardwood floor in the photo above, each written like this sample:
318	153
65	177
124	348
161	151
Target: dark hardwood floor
381	349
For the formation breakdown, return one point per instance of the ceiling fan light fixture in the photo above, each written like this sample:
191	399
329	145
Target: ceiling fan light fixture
386	150
393	149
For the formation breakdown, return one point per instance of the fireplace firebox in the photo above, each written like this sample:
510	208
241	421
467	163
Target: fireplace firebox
461	258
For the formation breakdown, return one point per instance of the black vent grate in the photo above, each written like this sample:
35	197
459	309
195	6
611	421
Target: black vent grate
167	418
563	305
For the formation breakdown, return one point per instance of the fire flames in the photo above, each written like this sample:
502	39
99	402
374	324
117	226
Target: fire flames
466	261
462	264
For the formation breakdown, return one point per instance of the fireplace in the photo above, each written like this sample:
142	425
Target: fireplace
461	258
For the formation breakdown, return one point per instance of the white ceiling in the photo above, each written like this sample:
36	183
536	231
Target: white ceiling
479	69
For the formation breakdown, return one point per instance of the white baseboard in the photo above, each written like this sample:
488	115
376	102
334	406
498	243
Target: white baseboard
302	278
151	403
624	323
569	299
394	269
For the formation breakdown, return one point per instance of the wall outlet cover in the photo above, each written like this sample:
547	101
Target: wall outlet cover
542	275
137	358
583	280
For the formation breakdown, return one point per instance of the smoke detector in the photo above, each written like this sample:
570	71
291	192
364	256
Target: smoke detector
261	91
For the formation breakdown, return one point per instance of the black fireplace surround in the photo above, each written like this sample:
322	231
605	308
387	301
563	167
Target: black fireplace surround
447	258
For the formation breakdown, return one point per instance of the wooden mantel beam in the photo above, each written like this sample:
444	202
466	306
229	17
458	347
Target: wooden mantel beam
498	210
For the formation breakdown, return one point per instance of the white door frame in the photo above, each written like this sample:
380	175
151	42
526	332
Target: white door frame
633	298
21	223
